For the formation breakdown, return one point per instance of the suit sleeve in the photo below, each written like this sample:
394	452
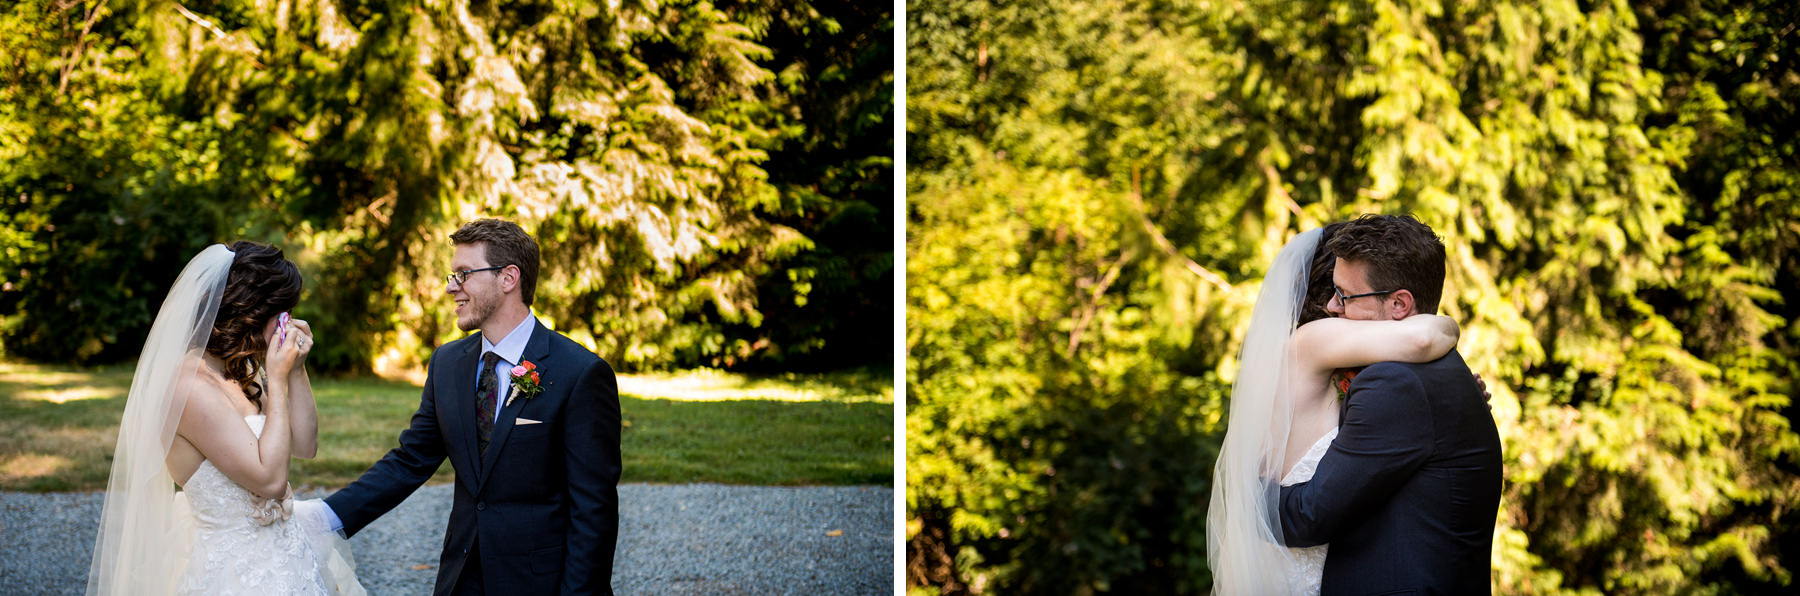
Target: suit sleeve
591	439
1384	437
398	474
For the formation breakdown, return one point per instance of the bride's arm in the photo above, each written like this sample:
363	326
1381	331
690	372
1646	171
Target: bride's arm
210	423
215	428
1342	343
303	411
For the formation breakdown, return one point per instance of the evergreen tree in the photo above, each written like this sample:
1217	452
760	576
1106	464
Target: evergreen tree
1096	188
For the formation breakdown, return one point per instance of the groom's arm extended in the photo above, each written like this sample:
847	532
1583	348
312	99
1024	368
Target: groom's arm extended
399	473
591	438
1385	435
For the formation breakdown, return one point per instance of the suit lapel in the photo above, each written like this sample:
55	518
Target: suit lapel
459	421
537	350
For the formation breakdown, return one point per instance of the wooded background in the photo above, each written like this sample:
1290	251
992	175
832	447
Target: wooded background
711	183
1094	189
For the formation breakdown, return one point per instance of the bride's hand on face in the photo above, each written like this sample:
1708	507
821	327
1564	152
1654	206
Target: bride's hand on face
301	332
285	353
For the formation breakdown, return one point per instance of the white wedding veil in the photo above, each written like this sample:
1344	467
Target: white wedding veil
1244	544
144	534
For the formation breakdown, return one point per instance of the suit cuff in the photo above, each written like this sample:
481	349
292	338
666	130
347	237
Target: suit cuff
331	518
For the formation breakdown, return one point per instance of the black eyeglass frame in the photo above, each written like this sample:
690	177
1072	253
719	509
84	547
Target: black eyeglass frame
1342	299
459	277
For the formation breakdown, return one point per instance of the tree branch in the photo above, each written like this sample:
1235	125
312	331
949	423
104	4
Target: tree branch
1162	242
201	21
73	57
1093	305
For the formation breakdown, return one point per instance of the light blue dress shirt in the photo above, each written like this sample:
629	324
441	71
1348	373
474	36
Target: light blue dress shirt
511	348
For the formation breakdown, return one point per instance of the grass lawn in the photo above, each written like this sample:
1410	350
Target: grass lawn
58	425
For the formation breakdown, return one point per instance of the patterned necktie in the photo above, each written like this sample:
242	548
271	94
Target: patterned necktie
487	395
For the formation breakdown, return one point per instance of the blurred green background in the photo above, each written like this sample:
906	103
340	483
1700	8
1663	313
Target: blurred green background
711	185
1094	189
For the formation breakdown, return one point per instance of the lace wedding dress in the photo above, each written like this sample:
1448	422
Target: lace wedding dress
1311	560
233	553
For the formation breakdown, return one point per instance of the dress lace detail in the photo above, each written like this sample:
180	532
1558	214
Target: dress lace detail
1311	560
233	554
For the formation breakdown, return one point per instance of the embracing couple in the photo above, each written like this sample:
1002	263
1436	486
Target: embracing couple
1360	456
221	401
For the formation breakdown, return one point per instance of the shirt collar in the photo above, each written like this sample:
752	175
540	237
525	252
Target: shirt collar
512	347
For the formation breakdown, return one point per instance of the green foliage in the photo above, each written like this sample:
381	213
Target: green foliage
1096	187
631	138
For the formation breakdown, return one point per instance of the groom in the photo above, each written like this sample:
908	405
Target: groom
537	463
1407	495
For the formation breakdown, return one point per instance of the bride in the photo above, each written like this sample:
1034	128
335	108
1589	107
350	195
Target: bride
1284	412
219	402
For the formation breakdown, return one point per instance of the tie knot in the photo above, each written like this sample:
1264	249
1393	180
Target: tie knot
490	359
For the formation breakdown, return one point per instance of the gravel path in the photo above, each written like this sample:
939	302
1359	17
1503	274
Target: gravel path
679	539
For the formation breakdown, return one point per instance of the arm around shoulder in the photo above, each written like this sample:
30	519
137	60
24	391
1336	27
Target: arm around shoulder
1343	343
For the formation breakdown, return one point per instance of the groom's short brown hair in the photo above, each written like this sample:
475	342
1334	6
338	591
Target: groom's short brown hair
1400	254
507	244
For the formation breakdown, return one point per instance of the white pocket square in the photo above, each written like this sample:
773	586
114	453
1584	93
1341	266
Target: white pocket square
525	421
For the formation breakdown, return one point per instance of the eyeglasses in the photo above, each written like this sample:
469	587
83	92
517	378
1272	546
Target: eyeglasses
458	277
1342	299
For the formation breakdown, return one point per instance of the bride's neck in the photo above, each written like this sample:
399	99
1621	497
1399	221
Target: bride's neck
213	364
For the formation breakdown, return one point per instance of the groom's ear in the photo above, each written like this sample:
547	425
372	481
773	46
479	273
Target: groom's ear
1401	305
509	279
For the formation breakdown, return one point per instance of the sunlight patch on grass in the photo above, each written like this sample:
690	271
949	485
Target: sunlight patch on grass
69	394
24	374
715	385
27	466
28	382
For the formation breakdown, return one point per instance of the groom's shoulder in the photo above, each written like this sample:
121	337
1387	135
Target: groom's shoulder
456	346
1444	376
1449	363
561	344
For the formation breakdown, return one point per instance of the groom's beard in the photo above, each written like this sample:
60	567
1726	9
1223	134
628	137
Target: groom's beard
479	311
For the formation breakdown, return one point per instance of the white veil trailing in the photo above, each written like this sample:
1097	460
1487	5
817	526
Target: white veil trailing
144	531
1244	545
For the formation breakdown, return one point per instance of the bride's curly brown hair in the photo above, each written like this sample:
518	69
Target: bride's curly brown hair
261	286
1318	279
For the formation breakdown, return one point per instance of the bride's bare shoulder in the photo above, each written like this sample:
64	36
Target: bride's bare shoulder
208	391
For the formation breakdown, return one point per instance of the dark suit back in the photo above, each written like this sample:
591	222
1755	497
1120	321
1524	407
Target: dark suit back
1408	494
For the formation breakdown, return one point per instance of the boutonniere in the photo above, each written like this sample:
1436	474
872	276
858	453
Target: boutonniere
1341	378
524	382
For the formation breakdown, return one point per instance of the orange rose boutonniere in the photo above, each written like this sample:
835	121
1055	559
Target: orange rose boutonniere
1341	378
524	382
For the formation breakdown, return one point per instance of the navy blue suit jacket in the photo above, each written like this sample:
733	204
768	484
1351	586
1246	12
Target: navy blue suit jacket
1408	494
543	502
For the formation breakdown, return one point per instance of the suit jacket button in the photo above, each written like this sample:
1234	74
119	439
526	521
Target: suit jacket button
481	506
